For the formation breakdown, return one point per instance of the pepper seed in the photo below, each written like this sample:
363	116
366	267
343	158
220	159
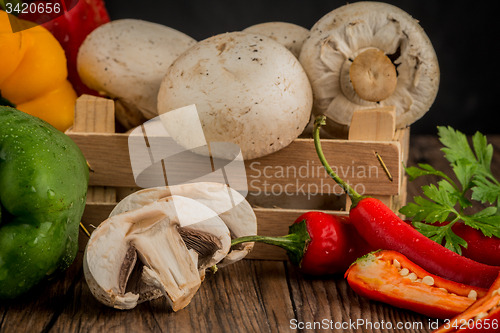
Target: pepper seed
413	277
428	280
481	315
396	263
472	295
404	272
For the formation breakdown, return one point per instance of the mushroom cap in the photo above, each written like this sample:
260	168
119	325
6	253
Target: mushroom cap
232	208
157	233
290	35
348	31
248	90
127	59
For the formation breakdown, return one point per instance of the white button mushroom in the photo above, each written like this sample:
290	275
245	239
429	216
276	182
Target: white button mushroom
248	89
229	204
175	238
369	54
127	59
290	35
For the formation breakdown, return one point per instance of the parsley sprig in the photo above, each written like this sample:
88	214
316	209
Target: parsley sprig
447	202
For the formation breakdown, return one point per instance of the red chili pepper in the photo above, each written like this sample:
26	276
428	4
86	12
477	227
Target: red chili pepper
479	247
482	316
71	29
389	277
383	229
318	243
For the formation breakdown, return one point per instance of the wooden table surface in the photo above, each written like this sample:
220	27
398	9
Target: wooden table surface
249	296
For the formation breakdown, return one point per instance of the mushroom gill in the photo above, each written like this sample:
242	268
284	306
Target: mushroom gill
366	55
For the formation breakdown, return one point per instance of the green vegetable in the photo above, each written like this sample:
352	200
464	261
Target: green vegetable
43	186
448	200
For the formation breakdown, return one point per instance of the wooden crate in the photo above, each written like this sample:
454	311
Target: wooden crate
281	186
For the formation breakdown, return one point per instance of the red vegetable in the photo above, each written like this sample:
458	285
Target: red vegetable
479	247
389	277
383	229
318	243
482	316
71	29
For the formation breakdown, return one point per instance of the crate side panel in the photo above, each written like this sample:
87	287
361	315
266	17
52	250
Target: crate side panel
108	157
293	169
298	169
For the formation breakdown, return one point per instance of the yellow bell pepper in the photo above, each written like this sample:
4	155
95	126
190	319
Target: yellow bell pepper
33	73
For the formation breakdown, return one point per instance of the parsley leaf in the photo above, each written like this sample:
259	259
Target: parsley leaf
456	145
437	233
485	190
445	204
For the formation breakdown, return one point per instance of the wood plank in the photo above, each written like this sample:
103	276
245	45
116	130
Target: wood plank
228	301
95	115
377	124
294	169
330	300
402	135
297	167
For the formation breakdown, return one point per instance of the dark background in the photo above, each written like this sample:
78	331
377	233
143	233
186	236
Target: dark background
465	35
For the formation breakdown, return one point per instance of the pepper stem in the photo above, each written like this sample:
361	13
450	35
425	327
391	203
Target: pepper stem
355	197
295	243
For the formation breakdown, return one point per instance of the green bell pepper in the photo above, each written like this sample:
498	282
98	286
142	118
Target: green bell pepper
43	187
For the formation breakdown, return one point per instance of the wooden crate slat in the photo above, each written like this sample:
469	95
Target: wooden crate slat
355	161
270	222
373	124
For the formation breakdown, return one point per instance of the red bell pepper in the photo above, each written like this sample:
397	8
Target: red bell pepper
80	18
318	243
389	277
482	316
383	229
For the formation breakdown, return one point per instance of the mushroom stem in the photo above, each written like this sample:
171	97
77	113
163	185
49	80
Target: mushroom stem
373	75
295	243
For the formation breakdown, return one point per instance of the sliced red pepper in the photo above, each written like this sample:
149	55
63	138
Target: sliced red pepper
482	316
383	229
389	277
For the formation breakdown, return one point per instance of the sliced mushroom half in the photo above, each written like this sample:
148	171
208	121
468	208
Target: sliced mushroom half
229	204
175	238
369	54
